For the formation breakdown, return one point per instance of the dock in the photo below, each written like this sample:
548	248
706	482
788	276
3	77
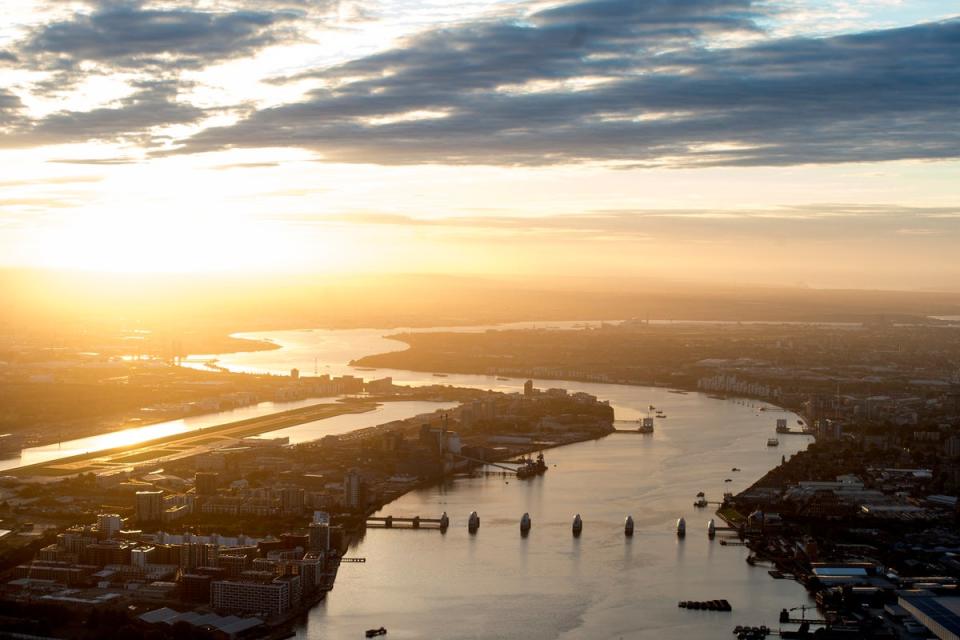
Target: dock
416	522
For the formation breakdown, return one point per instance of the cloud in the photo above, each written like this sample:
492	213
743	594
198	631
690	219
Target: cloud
601	37
51	181
127	35
39	203
631	82
684	83
11	109
781	224
153	104
154	44
920	232
245	165
94	161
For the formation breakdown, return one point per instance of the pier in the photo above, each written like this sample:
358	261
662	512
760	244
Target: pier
498	465
416	522
525	466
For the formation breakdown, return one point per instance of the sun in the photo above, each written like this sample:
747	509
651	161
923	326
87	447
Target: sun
173	243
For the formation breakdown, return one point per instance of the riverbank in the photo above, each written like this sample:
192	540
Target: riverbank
472	466
87	394
459	357
230	342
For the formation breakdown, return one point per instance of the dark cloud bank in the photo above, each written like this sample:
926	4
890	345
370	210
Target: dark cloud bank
127	35
669	95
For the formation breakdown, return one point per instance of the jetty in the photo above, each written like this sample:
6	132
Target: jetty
415	522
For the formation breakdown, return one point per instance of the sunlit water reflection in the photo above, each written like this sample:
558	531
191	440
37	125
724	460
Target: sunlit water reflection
497	585
421	584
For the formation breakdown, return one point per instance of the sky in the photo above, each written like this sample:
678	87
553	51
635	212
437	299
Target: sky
798	142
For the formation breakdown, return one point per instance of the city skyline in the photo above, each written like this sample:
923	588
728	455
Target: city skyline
807	143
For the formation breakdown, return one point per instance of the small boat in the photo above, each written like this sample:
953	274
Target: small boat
372	633
628	526
541	464
525	524
728	480
499	378
735	469
772	442
440	375
701	501
681	528
527	469
530	467
473	522
711	529
577	525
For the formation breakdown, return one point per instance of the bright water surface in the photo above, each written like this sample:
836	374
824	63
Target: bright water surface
299	433
424	584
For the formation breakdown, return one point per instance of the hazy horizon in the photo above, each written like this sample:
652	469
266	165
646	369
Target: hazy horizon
59	304
811	143
107	278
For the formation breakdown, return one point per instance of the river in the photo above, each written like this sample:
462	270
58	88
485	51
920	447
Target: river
326	351
495	584
299	433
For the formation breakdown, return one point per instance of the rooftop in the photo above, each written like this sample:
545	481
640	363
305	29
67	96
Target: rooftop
227	624
939	614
